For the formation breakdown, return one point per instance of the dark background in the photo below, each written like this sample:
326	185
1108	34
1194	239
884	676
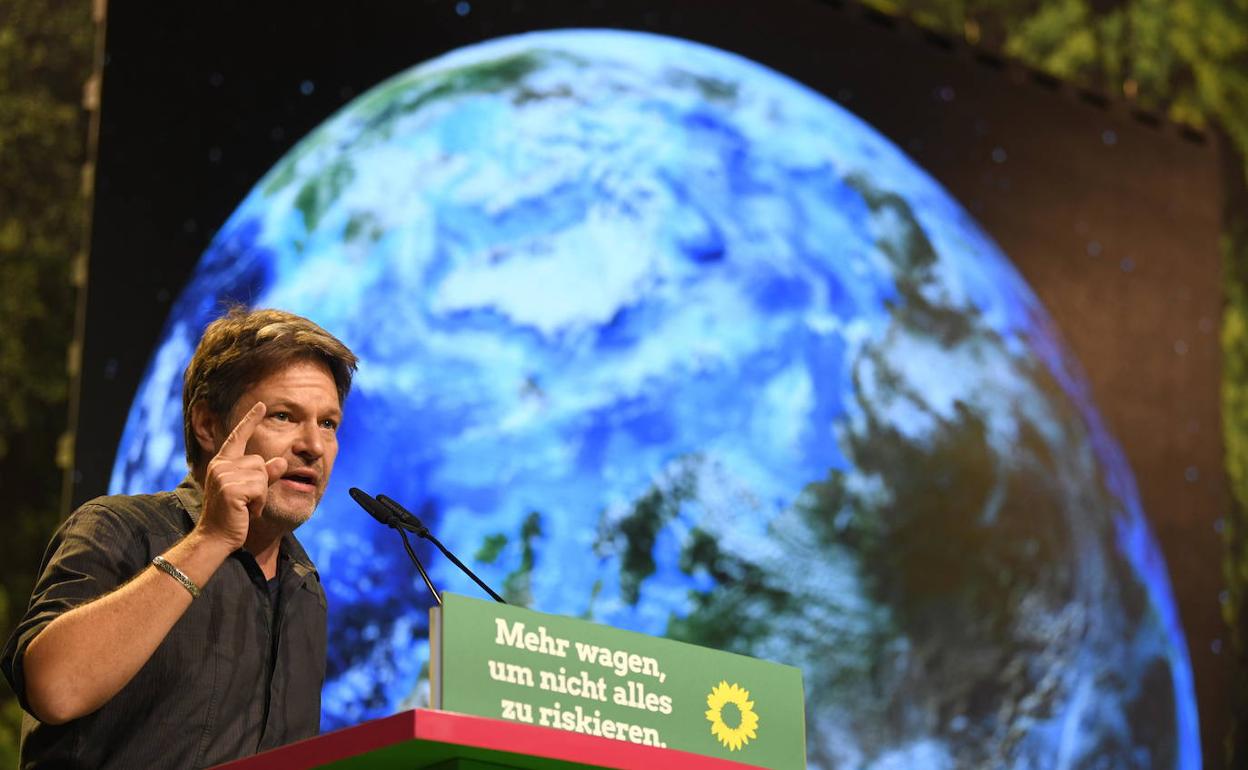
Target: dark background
1112	216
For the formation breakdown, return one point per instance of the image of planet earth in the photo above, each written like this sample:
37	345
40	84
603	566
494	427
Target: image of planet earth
653	335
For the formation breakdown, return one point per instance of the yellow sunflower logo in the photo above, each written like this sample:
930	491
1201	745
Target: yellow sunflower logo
731	714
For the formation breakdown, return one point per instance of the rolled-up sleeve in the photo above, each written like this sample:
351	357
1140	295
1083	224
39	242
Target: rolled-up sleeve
92	553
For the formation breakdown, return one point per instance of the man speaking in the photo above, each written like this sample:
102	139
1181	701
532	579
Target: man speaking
186	628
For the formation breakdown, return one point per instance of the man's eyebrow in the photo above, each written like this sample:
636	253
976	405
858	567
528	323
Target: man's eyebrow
282	404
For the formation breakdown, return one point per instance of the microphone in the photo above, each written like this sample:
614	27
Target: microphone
405	518
410	521
386	516
373	508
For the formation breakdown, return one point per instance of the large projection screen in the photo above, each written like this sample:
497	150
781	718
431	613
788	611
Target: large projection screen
782	328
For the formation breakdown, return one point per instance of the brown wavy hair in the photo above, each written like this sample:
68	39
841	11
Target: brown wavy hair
243	347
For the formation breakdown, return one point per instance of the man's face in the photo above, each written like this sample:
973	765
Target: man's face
300	424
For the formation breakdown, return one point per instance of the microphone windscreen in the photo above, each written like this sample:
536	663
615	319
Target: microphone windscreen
374	509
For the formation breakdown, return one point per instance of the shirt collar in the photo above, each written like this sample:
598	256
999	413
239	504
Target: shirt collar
191	496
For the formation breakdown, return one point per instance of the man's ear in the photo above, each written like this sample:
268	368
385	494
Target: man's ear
206	427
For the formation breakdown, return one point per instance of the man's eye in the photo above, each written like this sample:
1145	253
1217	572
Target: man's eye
283	416
329	425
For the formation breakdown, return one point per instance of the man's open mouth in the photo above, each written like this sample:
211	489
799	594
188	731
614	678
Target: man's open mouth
303	479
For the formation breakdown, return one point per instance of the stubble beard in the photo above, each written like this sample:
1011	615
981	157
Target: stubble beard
288	518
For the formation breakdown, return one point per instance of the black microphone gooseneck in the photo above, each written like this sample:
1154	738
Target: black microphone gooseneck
388	517
409	521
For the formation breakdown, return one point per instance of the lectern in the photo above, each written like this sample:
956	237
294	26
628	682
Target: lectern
444	740
514	688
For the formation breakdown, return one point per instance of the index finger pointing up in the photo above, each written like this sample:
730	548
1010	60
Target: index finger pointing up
235	444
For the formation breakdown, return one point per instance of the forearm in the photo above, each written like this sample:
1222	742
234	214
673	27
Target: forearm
86	656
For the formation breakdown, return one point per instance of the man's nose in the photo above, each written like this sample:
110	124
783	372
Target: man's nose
309	444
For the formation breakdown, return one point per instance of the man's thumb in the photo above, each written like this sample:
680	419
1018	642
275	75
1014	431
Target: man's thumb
276	468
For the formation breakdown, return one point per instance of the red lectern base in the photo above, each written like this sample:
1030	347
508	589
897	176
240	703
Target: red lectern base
442	740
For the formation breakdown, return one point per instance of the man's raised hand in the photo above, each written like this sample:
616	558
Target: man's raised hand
236	484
